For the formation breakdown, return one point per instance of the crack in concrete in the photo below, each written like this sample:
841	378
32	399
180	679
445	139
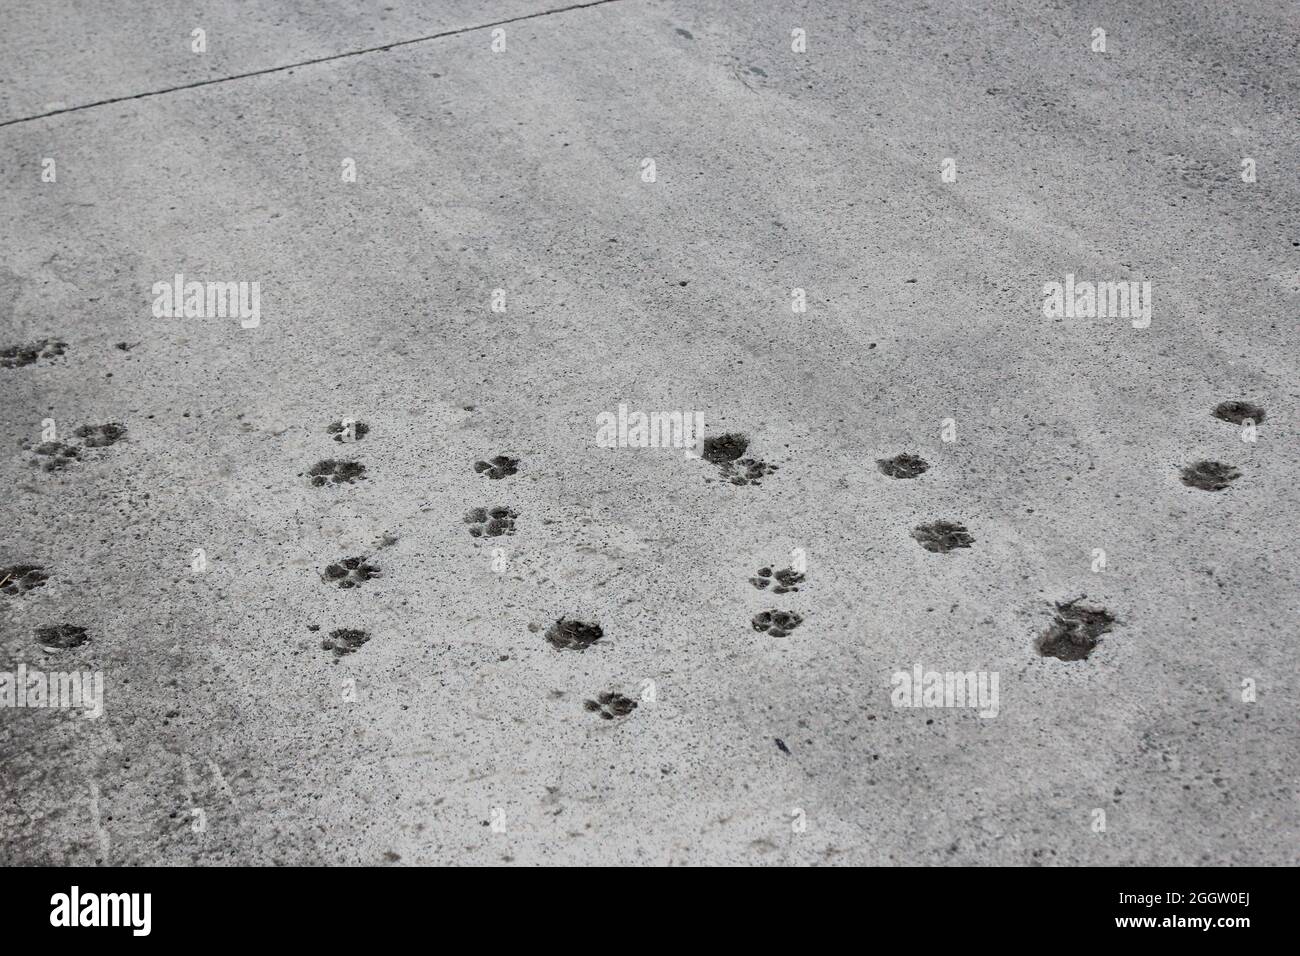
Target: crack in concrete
382	48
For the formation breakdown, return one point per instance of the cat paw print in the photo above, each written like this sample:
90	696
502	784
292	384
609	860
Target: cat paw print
783	581
336	471
903	466
351	572
502	466
1209	475
348	430
57	455
610	704
61	637
101	436
21	578
16	356
1075	631
54	455
569	635
345	640
1238	412
727	452
490	522
942	536
776	623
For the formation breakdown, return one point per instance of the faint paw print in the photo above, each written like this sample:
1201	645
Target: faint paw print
61	637
610	705
101	436
903	466
1075	631
567	635
726	452
21	578
786	580
776	623
54	455
942	536
1209	475
351	572
16	356
491	522
340	472
1238	412
353	431
502	466
345	640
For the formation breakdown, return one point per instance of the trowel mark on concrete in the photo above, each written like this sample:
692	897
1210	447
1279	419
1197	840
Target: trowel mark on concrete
942	536
1238	412
1209	475
491	522
351	572
569	635
21	578
340	472
610	704
1075	631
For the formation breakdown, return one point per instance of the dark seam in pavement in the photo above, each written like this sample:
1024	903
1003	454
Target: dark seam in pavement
320	59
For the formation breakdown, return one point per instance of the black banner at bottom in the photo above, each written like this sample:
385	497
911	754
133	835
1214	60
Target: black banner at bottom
332	906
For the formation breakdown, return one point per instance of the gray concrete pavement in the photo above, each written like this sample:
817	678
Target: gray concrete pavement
457	733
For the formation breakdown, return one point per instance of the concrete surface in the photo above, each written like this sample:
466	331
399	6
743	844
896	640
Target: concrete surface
457	733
